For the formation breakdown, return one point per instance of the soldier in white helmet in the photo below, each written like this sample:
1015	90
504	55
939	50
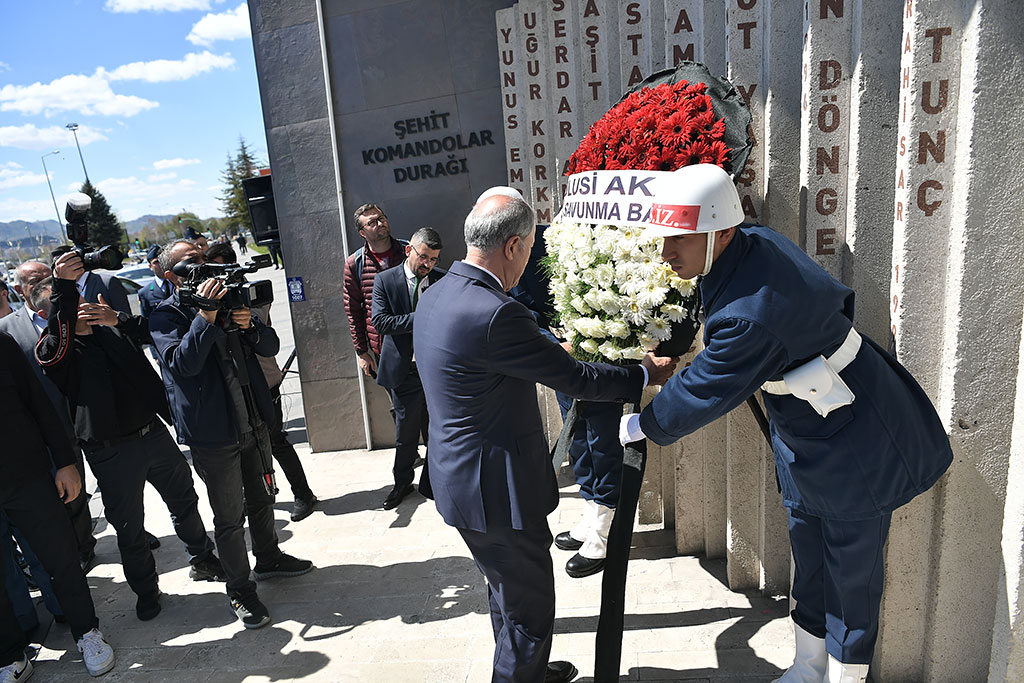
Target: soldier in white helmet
853	434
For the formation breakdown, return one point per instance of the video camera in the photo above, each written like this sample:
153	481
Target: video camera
75	213
240	292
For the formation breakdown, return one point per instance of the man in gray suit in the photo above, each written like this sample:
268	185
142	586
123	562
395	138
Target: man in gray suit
480	355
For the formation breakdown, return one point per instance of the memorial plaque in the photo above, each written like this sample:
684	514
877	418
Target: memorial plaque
641	40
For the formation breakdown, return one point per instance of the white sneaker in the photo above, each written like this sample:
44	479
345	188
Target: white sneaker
17	671
96	653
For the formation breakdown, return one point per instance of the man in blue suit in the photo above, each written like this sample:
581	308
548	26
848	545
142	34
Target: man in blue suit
480	355
853	434
159	289
396	292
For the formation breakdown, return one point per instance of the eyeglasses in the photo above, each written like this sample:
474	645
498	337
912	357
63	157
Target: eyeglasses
428	261
376	220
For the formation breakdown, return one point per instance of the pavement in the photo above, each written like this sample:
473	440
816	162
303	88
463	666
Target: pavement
395	596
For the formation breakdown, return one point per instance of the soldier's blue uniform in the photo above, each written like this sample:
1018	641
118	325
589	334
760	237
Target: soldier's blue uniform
769	309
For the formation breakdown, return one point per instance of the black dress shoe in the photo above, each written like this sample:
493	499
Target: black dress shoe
154	542
578	566
396	496
565	541
303	508
560	672
148	606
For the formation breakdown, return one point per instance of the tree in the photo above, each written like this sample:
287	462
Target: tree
104	228
243	165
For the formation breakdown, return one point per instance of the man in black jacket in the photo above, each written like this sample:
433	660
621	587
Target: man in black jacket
31	499
93	354
224	420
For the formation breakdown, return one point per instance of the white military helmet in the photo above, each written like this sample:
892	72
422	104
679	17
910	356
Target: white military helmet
694	199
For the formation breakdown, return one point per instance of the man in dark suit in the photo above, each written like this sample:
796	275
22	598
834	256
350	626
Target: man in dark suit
26	325
396	293
156	291
480	355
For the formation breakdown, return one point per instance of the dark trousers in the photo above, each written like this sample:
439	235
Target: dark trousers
122	471
838	580
78	511
411	421
521	592
17	588
284	452
596	453
35	508
234	480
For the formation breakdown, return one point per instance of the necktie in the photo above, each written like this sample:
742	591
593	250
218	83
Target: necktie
167	288
415	293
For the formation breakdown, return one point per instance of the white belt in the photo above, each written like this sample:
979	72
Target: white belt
843	356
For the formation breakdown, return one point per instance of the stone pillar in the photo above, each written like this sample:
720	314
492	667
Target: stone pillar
824	128
510	55
693	30
564	84
600	85
540	164
641	41
1007	661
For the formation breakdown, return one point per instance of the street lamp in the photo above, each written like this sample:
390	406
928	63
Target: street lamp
60	223
73	127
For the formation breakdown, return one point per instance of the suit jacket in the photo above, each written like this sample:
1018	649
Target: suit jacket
150	297
393	318
20	326
110	287
480	355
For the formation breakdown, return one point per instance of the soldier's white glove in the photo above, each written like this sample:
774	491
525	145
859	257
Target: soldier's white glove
629	429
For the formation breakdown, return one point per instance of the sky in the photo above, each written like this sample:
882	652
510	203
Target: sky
161	91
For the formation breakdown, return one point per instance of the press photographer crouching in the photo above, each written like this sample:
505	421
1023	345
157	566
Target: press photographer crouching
93	354
221	407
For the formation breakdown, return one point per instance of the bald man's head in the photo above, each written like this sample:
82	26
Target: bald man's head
28	275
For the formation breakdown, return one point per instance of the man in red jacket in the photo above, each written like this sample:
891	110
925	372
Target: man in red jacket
381	251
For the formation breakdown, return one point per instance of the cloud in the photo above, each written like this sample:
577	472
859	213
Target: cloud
132	6
229	25
160	177
132	197
10	177
75	92
10	164
29	136
4	66
14	209
163	70
174	163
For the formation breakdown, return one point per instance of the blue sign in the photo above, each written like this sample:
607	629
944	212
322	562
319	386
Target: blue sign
296	291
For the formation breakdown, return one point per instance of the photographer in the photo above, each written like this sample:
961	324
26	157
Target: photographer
223	420
283	451
115	398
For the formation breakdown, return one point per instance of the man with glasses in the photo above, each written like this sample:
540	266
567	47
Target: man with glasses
380	252
395	295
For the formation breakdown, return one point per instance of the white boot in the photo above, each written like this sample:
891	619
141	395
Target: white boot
838	672
810	660
582	528
595	547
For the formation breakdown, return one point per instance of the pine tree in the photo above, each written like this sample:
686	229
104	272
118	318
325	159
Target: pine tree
243	165
104	228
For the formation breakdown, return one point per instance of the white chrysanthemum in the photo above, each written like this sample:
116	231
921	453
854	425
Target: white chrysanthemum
589	345
633	353
617	329
610	351
635	314
659	328
684	287
674	312
651	295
